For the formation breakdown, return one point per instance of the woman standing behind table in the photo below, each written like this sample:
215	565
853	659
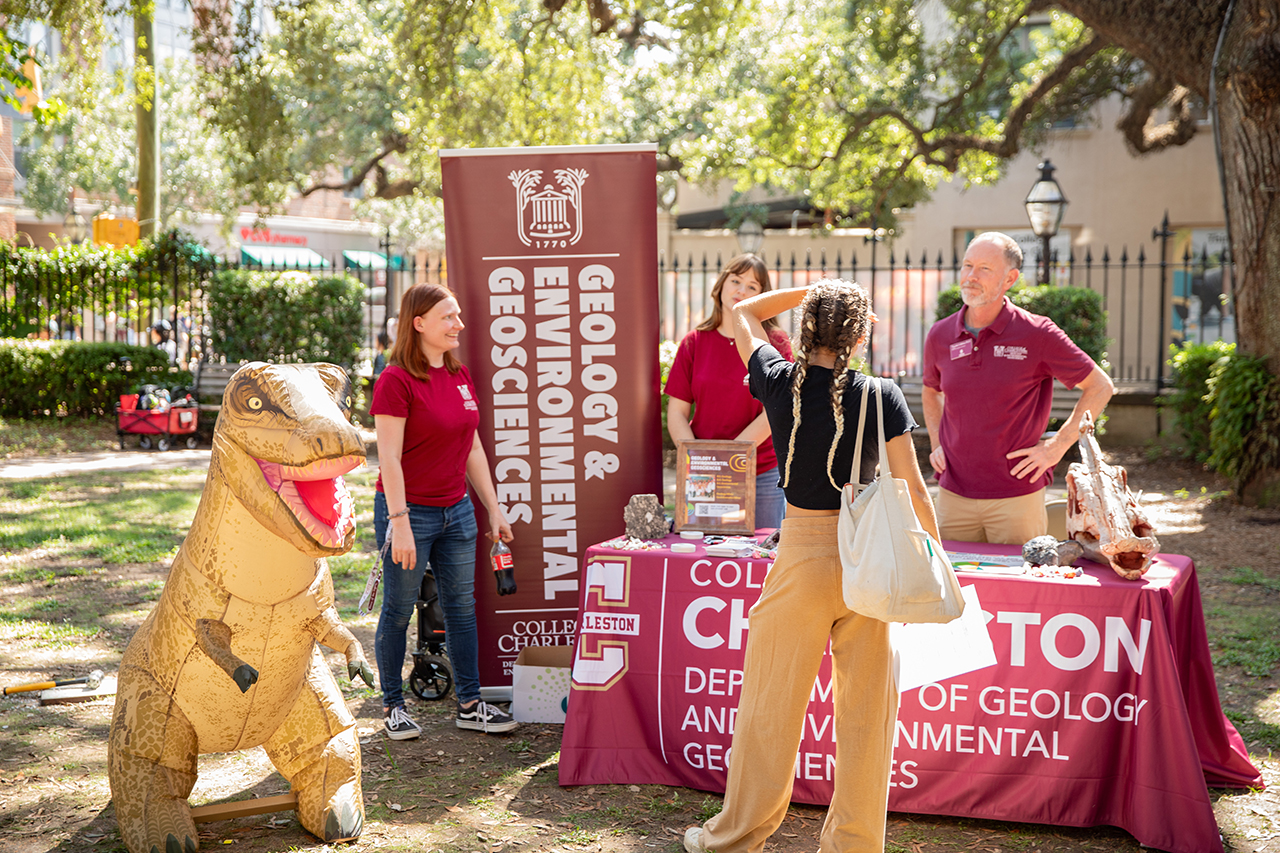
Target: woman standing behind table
425	411
813	408
708	377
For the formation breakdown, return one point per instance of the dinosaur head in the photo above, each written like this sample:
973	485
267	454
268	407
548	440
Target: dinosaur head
282	443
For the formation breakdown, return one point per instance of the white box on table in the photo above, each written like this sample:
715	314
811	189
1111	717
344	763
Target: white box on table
540	684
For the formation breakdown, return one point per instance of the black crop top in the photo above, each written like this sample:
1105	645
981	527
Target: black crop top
809	487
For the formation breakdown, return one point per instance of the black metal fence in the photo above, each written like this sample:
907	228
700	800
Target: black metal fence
1150	301
69	295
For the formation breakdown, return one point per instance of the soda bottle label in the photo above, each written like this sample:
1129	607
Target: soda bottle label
502	561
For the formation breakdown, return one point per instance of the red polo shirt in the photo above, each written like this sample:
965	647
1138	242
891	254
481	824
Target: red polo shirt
999	390
709	373
441	416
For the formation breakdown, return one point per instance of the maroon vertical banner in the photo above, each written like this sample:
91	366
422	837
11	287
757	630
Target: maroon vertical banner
553	255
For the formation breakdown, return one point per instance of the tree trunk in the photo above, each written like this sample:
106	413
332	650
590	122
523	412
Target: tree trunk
1177	38
1249	109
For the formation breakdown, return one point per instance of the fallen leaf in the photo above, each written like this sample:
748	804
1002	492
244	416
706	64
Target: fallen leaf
635	789
395	807
454	809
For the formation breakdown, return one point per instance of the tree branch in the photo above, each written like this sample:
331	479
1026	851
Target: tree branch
952	145
1143	101
396	143
953	104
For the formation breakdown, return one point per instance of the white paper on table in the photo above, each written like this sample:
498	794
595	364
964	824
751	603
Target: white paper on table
924	653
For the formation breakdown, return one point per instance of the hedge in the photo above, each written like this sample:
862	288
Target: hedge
1076	310
1189	402
286	317
39	378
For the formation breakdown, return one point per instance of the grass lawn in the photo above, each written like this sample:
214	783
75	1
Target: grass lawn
83	560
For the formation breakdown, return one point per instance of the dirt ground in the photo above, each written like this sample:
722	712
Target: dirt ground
464	791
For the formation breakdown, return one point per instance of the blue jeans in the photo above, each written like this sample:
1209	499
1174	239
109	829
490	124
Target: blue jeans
446	538
771	504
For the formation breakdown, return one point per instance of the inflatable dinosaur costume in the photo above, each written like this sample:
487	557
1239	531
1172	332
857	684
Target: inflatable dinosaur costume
228	659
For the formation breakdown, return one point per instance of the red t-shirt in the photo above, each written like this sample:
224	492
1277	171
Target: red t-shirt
709	373
441	416
999	390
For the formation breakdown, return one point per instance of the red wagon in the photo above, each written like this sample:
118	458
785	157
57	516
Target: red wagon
168	424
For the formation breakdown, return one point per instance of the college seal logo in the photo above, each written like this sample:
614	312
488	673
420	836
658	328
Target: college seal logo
549	217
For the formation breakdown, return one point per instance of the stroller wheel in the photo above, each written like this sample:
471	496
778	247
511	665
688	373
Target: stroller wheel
192	442
162	444
145	442
431	678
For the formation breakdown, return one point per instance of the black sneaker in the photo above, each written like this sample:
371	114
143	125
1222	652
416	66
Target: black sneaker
399	725
483	717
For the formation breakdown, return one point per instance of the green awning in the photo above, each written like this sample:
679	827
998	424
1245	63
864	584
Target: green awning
293	257
362	260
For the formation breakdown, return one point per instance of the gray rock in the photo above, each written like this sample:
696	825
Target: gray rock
1069	551
1041	551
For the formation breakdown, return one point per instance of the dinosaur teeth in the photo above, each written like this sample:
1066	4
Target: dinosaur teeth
330	535
316	495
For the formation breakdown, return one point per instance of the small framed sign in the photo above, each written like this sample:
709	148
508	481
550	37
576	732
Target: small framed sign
716	486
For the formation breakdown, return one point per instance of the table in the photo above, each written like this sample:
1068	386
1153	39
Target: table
1101	709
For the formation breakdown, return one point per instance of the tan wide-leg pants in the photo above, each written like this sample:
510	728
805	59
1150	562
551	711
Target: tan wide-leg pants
800	608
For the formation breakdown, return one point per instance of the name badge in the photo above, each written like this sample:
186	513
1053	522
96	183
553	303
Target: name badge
961	349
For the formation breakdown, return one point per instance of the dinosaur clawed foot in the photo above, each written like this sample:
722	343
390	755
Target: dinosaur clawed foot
173	845
344	822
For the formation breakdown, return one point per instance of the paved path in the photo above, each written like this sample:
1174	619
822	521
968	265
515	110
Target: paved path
37	467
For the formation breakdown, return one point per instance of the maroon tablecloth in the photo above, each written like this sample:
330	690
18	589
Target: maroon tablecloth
1102	707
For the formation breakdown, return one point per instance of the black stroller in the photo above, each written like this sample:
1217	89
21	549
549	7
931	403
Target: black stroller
432	676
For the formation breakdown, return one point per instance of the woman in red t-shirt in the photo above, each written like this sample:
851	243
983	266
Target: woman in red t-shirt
425	410
709	379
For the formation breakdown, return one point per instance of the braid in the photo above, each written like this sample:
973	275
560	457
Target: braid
808	328
835	318
839	382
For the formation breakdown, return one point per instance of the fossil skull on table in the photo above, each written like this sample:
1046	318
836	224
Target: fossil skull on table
1103	515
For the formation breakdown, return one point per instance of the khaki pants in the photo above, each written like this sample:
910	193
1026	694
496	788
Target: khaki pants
1007	521
800	609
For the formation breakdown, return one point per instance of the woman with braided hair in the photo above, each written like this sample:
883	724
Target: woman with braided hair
812	406
708	379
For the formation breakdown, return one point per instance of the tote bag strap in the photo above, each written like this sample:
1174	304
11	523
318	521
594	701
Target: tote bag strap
884	447
855	468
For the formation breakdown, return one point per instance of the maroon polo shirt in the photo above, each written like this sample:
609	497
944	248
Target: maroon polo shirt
999	390
709	373
441	417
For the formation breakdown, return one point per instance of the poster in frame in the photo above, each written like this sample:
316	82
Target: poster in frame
715	486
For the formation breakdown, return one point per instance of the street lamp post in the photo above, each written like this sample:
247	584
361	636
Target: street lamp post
74	227
1045	206
750	236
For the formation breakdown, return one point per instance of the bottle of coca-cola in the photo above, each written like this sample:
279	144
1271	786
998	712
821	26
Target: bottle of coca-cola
504	570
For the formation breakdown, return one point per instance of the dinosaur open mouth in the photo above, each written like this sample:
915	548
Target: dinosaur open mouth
317	496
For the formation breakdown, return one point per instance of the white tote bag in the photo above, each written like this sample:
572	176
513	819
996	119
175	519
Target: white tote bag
894	571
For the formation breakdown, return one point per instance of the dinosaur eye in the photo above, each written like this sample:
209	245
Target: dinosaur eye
255	403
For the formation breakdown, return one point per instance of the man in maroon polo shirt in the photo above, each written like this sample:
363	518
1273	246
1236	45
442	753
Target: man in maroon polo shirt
988	388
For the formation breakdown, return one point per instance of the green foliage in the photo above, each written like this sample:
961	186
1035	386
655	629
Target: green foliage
666	357
88	147
861	107
1076	310
1244	436
1189	403
286	317
67	378
134	283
